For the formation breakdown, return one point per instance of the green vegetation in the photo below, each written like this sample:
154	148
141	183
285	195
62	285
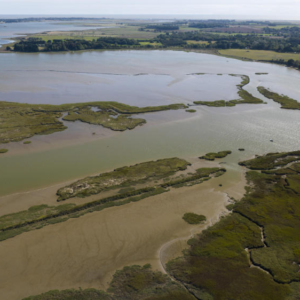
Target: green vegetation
105	119
191	110
88	294
200	176
271	160
148	172
130	283
261	55
33	213
192	218
217	265
27	142
285	101
214	155
262	232
137	282
3	151
20	121
123	177
217	103
33	44
245	97
261	73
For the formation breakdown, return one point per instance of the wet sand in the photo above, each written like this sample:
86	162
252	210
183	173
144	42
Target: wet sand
85	252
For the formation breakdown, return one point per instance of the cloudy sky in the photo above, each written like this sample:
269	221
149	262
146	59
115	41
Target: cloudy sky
271	9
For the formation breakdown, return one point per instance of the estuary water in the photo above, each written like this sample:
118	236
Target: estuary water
144	78
9	31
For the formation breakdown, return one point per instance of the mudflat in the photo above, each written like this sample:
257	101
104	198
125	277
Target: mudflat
85	252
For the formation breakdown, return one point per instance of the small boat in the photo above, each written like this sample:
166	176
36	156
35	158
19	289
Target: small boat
271	140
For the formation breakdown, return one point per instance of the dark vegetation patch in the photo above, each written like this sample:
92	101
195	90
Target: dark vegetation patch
265	224
191	110
285	101
33	44
271	160
130	283
3	151
217	103
193	218
88	294
27	143
214	155
20	121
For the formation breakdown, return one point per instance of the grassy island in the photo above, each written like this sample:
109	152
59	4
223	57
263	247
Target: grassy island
20	121
123	177
285	101
155	177
2	151
148	172
245	97
214	155
217	103
193	218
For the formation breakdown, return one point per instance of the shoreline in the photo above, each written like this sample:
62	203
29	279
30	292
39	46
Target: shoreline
200	51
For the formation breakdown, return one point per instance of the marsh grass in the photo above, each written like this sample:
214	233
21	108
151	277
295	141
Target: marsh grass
193	218
214	155
285	101
130	283
265	222
245	97
122	177
262	55
20	121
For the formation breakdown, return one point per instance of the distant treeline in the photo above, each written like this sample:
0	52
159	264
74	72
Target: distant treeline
38	45
162	27
22	20
213	23
238	41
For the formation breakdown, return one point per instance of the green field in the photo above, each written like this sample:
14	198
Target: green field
130	32
258	54
190	42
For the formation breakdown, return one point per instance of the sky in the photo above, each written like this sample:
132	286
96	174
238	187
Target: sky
259	9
